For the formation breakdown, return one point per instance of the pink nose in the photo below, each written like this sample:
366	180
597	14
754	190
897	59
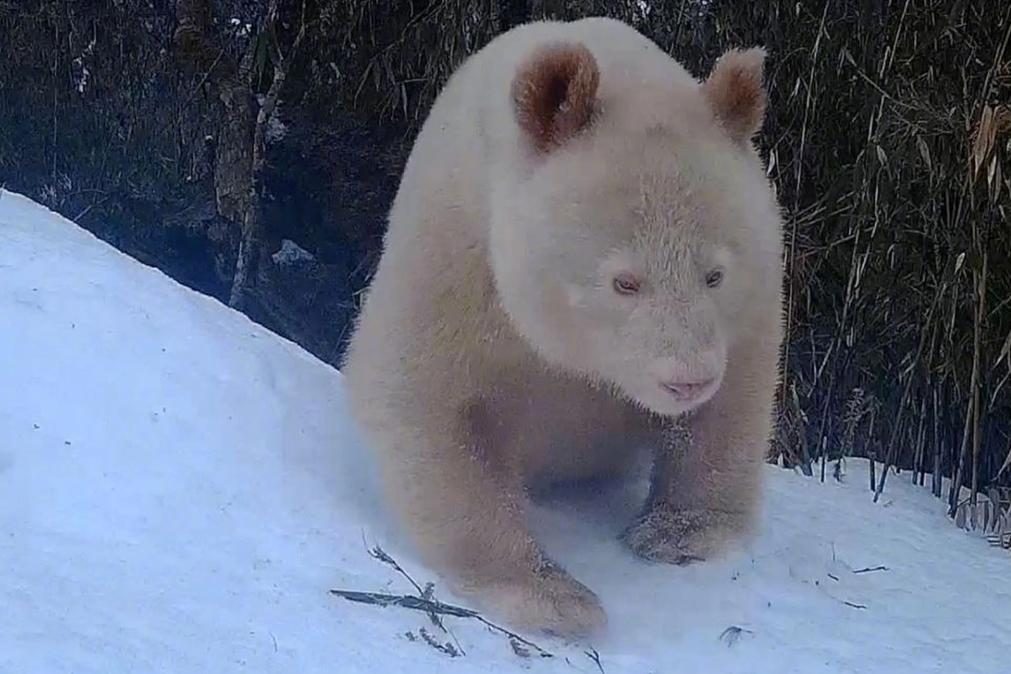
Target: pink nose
688	390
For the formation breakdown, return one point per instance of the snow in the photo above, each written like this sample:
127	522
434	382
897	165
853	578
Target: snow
180	489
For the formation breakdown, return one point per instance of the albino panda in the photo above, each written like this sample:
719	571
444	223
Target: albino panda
584	247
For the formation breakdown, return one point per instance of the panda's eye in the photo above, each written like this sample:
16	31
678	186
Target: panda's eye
714	278
626	284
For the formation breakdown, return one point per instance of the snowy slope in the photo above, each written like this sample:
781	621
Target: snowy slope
180	489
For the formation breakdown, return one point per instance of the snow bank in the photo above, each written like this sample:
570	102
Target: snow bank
180	489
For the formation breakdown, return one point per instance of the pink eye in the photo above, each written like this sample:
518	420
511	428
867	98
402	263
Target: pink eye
626	284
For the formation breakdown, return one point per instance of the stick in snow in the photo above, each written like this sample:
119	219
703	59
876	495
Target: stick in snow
425	601
432	606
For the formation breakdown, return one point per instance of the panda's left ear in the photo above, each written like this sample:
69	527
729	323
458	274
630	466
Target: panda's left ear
736	93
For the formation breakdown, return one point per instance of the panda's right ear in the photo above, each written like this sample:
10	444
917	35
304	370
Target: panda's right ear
554	94
736	93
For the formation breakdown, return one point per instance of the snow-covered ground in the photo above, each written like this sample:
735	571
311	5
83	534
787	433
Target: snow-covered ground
180	489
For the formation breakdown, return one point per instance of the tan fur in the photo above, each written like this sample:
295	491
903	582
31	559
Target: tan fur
493	353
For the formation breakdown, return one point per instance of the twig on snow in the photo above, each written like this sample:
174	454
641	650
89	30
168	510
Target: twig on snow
380	554
433	606
732	634
426	602
405	601
519	649
427	593
446	648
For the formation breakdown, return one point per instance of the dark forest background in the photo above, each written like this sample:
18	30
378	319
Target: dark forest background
251	150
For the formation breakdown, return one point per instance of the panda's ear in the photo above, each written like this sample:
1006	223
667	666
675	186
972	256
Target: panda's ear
736	93
554	94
